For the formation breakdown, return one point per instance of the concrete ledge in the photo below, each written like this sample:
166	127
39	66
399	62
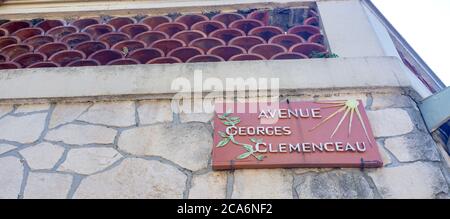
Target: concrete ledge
75	82
55	9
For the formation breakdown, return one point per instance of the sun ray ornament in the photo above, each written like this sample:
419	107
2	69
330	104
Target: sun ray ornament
347	106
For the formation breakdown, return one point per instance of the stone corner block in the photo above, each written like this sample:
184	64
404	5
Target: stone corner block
29	108
210	185
383	101
82	134
134	178
42	156
11	172
262	184
66	112
415	180
390	122
338	184
413	147
385	156
196	117
89	160
188	145
118	114
5	109
154	111
47	186
22	129
446	157
5	148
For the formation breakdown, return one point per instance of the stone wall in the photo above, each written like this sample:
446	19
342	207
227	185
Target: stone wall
141	149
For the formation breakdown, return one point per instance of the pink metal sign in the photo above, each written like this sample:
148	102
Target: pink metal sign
295	134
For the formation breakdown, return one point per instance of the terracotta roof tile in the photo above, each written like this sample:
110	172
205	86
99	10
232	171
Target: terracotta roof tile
244	35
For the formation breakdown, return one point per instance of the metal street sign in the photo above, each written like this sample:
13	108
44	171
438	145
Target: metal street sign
295	134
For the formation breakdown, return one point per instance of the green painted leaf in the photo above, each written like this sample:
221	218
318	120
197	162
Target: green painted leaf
222	134
254	140
229	123
260	157
223	142
221	117
249	148
229	111
235	119
244	155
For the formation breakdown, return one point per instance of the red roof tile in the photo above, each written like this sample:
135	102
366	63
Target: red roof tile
253	35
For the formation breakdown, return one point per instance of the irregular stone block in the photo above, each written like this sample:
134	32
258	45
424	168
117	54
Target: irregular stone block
413	147
342	96
390	122
82	134
262	184
23	129
384	156
299	171
445	156
197	111
4	148
47	186
210	185
29	108
5	109
339	184
42	156
65	113
119	114
154	111
188	145
196	117
89	160
134	178
416	180
383	101
329	96
11	174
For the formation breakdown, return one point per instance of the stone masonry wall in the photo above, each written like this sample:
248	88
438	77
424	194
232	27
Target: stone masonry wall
141	149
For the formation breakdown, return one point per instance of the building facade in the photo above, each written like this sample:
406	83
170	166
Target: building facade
87	94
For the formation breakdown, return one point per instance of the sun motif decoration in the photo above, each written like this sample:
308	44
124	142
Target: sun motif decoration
348	107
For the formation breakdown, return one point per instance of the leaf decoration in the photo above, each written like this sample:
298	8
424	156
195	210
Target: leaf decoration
233	121
222	134
244	155
229	123
260	157
247	147
229	111
223	142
